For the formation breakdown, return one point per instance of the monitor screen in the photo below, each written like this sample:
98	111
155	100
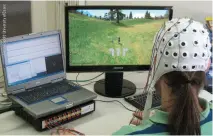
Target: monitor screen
29	59
112	37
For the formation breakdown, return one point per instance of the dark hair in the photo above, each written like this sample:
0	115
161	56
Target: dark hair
184	119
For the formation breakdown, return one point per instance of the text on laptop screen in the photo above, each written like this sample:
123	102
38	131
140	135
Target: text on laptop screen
34	58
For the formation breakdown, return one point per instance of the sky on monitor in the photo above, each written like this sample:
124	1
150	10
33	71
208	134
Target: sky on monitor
135	13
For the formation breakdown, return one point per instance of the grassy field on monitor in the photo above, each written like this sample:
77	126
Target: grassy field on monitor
99	42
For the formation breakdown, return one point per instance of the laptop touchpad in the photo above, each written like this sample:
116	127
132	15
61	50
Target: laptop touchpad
59	100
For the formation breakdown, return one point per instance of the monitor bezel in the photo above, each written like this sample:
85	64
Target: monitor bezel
105	68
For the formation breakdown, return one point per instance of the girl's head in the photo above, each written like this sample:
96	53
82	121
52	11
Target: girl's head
180	57
179	91
180	45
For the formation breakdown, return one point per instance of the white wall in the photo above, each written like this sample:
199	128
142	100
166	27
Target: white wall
47	16
39	16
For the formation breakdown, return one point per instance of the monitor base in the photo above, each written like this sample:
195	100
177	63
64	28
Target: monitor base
114	86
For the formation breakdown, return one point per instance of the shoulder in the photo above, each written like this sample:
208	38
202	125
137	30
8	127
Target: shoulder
206	123
147	128
210	105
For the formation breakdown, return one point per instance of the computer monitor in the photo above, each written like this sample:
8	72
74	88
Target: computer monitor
111	39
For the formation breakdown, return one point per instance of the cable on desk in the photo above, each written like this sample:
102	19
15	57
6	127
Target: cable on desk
10	107
86	79
87	83
6	101
5	109
3	95
104	82
91	78
76	79
5	105
91	83
118	102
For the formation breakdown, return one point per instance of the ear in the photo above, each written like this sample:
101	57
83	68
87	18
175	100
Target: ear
165	85
158	85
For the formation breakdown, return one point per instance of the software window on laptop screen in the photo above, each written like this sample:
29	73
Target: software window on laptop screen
34	58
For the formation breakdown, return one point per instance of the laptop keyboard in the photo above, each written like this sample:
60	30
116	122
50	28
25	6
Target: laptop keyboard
47	91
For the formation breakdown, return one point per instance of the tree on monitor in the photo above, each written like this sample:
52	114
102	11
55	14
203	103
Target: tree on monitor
106	16
111	14
147	15
130	15
120	15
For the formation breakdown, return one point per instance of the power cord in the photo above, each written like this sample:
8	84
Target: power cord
87	83
118	102
3	95
104	82
1	81
76	79
5	105
5	102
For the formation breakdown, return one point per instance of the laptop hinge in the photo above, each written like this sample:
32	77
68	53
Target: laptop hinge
57	80
18	91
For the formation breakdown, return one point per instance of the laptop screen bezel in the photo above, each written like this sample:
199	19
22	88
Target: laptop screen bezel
37	82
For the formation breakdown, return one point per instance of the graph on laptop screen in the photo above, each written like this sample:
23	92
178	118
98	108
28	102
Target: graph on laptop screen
113	36
34	58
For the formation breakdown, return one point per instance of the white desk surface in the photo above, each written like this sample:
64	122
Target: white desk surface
107	118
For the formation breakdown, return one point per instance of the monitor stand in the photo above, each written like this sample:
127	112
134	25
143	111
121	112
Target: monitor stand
114	86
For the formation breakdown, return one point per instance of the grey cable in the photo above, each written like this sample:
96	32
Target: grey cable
118	102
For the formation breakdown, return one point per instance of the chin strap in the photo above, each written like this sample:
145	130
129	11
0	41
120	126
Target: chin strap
148	105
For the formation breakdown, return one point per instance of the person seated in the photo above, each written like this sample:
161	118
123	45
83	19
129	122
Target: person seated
180	58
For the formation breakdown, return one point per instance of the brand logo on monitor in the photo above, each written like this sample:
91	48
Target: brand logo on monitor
118	68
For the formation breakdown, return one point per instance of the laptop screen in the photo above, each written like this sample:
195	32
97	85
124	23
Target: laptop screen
30	59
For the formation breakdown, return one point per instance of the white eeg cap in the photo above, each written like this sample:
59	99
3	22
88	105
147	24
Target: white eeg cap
180	45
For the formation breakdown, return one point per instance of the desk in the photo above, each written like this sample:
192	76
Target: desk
99	122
